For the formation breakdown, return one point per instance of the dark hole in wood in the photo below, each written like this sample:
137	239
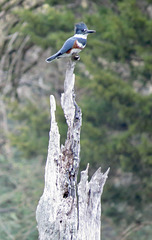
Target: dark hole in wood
65	195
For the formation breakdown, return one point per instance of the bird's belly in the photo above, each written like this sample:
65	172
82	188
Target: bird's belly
75	50
70	53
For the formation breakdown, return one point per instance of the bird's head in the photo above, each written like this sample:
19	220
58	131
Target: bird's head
81	28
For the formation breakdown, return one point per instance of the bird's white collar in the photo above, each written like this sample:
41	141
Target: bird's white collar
80	36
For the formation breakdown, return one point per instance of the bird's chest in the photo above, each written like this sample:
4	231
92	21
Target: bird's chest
77	47
79	44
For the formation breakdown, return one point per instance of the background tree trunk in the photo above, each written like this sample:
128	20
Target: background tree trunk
63	212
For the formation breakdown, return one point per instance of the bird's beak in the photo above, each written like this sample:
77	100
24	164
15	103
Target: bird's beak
91	31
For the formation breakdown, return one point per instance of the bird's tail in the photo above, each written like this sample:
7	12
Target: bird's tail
50	59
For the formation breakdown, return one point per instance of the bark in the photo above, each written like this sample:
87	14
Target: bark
63	211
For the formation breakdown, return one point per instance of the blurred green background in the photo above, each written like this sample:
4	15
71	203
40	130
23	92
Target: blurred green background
113	89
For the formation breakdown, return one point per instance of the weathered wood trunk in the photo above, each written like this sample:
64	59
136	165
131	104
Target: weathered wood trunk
65	211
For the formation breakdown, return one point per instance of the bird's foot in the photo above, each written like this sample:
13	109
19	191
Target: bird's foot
75	57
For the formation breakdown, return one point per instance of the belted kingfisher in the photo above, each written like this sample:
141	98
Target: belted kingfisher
73	45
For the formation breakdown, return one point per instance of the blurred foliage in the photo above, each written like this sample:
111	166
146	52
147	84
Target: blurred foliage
23	135
45	29
30	123
113	74
19	197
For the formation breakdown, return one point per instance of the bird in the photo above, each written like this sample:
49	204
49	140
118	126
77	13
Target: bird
74	44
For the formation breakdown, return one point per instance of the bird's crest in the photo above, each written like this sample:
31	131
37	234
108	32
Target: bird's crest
79	27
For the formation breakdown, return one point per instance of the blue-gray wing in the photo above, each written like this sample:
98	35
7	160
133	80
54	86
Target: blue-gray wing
67	45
